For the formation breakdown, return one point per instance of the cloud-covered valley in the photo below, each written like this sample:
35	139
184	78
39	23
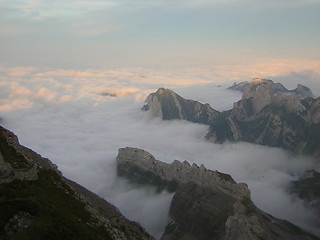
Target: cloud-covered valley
63	116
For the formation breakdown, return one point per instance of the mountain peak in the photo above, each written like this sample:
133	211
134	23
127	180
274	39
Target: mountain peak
162	90
261	80
166	104
301	90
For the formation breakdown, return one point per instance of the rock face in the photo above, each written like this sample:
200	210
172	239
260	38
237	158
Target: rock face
308	189
301	90
147	169
276	120
168	105
265	115
37	202
206	204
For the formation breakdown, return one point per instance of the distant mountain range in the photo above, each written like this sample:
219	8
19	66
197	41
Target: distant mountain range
267	114
300	90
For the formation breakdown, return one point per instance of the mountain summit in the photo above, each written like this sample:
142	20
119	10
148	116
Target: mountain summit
265	115
301	90
166	104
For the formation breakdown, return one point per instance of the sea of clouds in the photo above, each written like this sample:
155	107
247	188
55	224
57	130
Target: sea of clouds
64	116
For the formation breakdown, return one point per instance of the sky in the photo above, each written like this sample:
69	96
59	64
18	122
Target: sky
57	58
268	37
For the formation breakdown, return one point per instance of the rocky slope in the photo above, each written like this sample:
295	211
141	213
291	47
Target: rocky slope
308	189
276	120
301	90
37	202
264	116
206	204
168	105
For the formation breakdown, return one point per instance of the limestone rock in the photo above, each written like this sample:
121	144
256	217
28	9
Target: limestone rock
308	189
20	221
167	105
277	120
239	86
267	114
206	204
261	92
301	90
198	213
142	167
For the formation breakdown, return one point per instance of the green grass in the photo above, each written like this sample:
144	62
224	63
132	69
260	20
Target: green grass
55	211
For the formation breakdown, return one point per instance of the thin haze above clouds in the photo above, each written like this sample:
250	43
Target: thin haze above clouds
66	119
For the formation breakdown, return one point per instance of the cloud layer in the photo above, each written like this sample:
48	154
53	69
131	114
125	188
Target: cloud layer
62	115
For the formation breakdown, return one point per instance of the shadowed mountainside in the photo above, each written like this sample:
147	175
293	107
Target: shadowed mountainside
37	202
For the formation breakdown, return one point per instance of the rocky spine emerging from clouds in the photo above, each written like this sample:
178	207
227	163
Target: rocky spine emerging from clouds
207	204
300	90
168	105
37	202
261	116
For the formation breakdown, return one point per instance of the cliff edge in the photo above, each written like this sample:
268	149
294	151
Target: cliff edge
206	204
37	202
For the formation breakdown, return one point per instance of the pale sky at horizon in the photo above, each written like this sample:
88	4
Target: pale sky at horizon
163	34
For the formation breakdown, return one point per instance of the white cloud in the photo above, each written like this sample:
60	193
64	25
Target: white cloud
66	120
11	30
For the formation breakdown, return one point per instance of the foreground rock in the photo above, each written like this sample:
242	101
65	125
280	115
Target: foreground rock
264	115
207	204
142	167
37	202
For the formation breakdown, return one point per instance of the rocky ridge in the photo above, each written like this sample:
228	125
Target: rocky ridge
264	116
276	120
301	90
171	176
168	105
206	204
37	202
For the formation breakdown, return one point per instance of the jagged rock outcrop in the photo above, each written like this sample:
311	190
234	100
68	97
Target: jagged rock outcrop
37	202
206	204
168	105
308	189
265	115
146	169
276	120
301	90
239	86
